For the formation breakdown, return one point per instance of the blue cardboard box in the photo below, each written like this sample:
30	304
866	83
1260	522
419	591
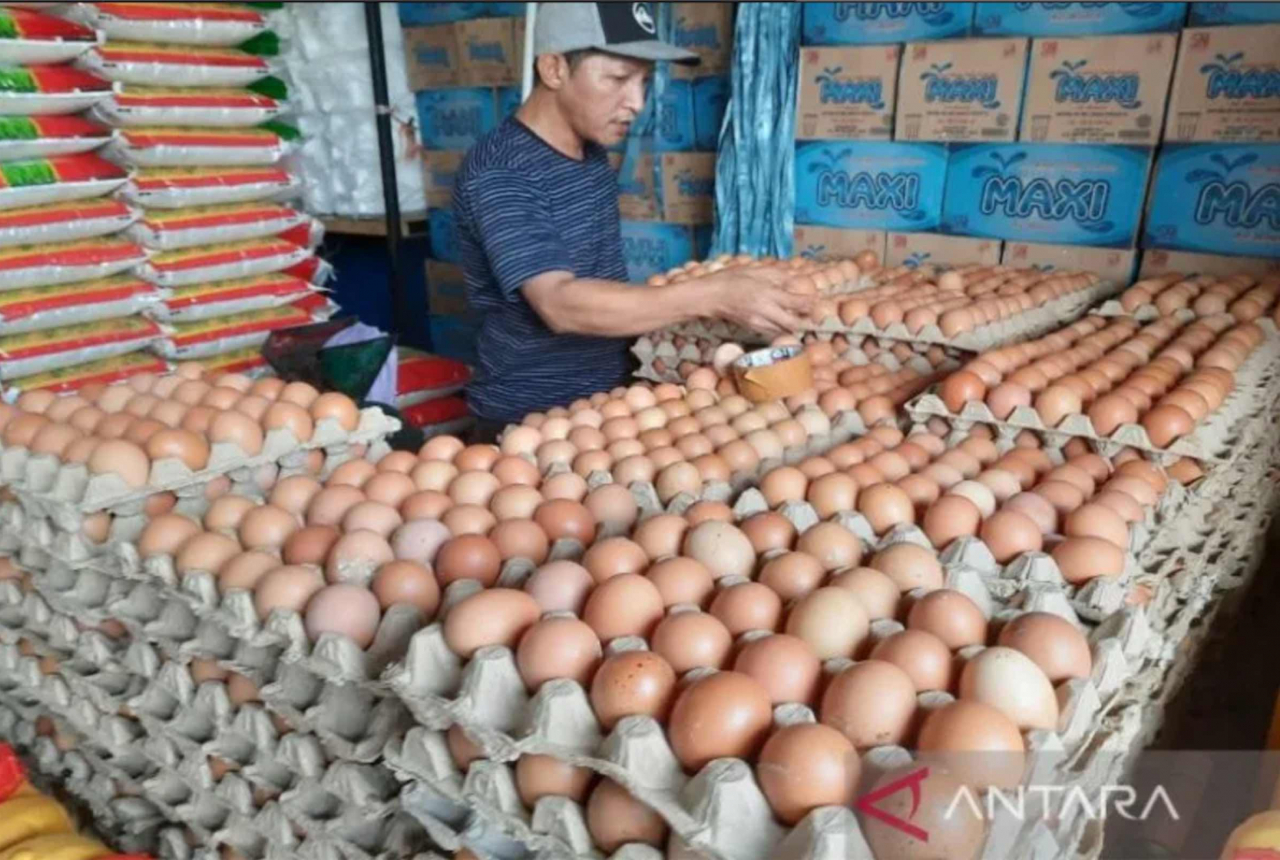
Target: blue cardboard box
412	14
879	23
1213	14
1077	19
674	131
1218	198
710	98
870	185
443	236
1057	193
650	248
456	118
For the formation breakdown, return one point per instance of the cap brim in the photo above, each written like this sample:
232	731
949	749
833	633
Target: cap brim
654	51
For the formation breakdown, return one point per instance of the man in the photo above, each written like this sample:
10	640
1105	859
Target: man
537	213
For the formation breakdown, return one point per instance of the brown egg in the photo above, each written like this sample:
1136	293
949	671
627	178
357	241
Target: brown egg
330	505
1083	558
206	552
792	575
725	715
125	460
336	407
468	557
615	818
784	665
520	538
632	683
371	516
165	534
539	776
871	703
409	583
747	606
1009	534
389	488
806	766
923	656
266	527
1054	644
347	610
662	535
832	545
468	520
784	484
768	531
558	648
309	545
909	566
53	439
832	494
494	616
876	593
560	586
1094	520
951	616
355	557
885	506
831	621
562	518
624	605
287	588
691	640
955	831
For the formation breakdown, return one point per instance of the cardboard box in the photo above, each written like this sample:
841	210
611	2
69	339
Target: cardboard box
1077	19
446	288
443	236
1157	261
847	93
688	187
651	249
456	118
490	51
431	56
1057	193
438	169
1217	14
710	99
1216	199
707	30
962	90
870	186
1107	90
414	14
830	243
881	23
1226	87
637	200
1110	264
914	249
674	131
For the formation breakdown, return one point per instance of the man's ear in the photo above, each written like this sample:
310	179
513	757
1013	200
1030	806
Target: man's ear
553	70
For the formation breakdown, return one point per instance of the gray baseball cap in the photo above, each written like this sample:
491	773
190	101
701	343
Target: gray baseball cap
625	29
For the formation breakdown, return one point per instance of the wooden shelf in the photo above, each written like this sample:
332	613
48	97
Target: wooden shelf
374	226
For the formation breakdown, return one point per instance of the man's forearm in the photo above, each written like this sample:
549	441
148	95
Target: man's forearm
610	309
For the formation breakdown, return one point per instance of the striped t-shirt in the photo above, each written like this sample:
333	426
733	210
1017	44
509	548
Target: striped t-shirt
524	208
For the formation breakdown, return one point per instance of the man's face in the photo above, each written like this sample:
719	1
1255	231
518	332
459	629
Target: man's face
602	96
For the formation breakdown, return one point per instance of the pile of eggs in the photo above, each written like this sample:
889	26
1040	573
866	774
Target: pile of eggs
1245	297
805	276
121	429
1166	374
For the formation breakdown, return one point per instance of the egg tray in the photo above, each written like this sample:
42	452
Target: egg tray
68	491
1148	312
397	838
1212	441
1030	323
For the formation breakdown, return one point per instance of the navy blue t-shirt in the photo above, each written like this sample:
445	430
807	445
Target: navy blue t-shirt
524	208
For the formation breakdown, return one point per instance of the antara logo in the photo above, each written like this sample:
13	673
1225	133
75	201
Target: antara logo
833	90
872	11
1235	203
1083	201
1087	87
941	87
1227	78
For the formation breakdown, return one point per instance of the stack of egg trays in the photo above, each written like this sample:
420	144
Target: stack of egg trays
129	822
1212	442
1028	324
720	811
1149	312
66	492
176	727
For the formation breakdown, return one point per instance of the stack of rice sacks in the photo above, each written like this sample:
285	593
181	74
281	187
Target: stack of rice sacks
195	114
70	305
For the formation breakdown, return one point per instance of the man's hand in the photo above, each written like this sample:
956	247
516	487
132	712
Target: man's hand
757	300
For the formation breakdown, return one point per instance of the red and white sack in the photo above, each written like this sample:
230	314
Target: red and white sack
28	36
187	341
64	222
218	262
180	187
421	377
37	181
41	308
196	147
25	266
173	23
104	371
42	90
169	229
207	107
52	349
27	137
155	65
235	296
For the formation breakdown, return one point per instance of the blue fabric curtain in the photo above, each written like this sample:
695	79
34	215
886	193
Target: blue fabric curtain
755	171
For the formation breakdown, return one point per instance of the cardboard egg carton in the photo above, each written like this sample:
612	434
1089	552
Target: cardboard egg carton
1027	324
1213	440
1148	312
67	491
396	838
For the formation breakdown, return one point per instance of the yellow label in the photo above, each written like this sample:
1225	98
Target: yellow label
116	364
201	172
72	333
170	257
194	329
229	286
62	247
57	846
229	359
185	51
36	294
182	131
186	213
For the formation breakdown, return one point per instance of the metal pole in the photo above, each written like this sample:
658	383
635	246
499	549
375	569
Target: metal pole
387	160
